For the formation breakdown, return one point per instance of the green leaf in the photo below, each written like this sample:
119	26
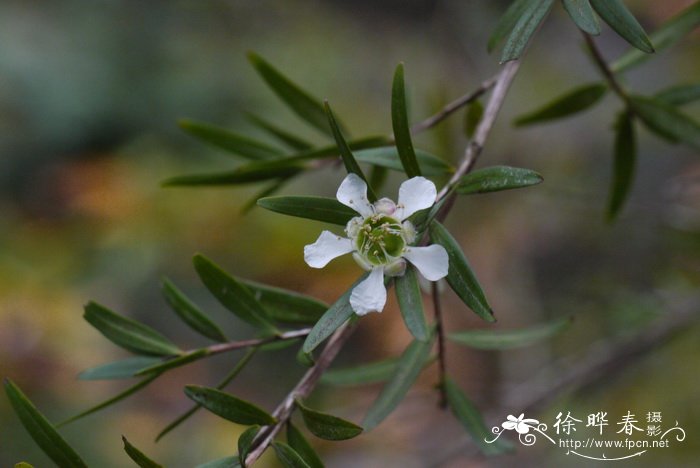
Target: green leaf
509	339
624	161
328	210
115	399
190	313
411	304
460	276
378	176
351	165
574	101
497	178
250	173
507	22
671	32
177	361
666	121
305	359
582	14
23	465
402	130
467	413
226	380
472	117
128	333
41	430
231	142
122	369
298	100
364	374
284	136
388	157
618	17
228	406
336	315
232	294
298	442
405	373
288	456
528	22
138	456
327	426
286	306
226	462
679	95
245	442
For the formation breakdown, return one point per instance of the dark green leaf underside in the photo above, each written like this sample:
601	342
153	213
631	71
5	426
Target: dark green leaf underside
509	339
572	102
497	178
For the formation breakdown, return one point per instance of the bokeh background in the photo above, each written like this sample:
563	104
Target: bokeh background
90	93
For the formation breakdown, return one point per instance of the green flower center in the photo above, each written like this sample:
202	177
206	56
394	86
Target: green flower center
380	239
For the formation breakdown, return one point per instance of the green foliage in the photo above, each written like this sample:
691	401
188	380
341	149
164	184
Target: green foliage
624	162
328	210
388	156
288	138
122	369
284	305
327	426
190	313
666	121
583	15
460	276
41	430
231	142
298	442
138	456
375	372
497	178
574	101
228	406
127	333
288	456
245	442
226	462
679	95
404	375
509	339
619	18
411	304
507	22
532	14
251	173
402	129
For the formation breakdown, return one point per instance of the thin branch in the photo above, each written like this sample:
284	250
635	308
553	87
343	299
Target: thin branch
440	331
233	345
602	65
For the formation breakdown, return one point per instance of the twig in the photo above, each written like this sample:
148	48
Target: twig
233	345
440	331
604	68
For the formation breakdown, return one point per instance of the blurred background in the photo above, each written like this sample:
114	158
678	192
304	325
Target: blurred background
90	96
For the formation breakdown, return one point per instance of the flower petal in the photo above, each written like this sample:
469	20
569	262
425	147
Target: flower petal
353	193
415	194
369	295
432	261
327	247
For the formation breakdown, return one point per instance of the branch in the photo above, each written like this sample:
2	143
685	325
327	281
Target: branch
439	330
604	68
233	345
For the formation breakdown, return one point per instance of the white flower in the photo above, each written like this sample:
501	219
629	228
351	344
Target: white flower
380	239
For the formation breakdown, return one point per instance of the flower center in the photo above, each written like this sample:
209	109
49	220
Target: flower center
380	239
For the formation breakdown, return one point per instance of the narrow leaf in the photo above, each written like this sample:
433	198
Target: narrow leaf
115	399
497	178
226	462
378	176
123	369
679	95
666	121
327	426
402	129
472	117
364	374
298	442
250	173
190	313
460	276
507	22
405	374
619	18
286	306
467	413
533	14
128	333
576	100
138	456
305	359
298	100
328	210
245	441
411	304
624	161
388	156
582	14
668	34
351	165
288	138
231	142
172	363
509	339
228	406
41	430
336	315
288	456
232	294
